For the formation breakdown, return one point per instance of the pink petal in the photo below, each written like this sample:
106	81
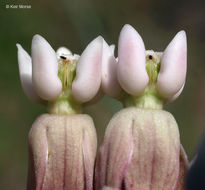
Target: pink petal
88	72
109	188
173	66
184	165
25	71
155	160
89	150
110	85
140	151
45	69
132	73
38	153
63	150
114	155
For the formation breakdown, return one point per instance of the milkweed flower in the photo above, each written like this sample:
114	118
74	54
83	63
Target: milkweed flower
141	147
62	143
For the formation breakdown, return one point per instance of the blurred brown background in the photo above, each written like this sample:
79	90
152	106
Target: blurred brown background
74	24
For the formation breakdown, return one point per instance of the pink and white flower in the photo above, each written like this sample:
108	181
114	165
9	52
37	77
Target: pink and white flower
39	73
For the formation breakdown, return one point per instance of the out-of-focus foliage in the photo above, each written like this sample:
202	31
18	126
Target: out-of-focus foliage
73	24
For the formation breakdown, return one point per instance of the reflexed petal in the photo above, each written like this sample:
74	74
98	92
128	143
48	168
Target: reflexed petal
62	152
132	73
173	66
109	188
184	164
154	162
114	155
89	151
38	153
110	85
25	71
88	72
45	69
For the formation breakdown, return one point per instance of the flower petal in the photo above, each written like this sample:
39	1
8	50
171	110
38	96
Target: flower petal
132	73
114	155
25	71
109	188
140	151
38	153
110	83
184	164
45	69
155	161
173	66
89	151
62	152
88	72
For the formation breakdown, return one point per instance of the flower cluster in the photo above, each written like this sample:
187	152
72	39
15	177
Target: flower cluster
141	147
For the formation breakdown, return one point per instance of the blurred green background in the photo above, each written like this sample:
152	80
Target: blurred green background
74	24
